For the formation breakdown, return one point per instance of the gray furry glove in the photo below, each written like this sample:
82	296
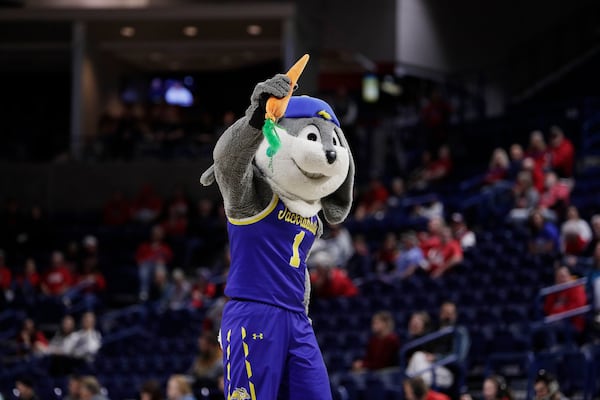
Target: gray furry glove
278	86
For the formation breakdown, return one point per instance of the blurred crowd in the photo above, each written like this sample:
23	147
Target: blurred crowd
183	262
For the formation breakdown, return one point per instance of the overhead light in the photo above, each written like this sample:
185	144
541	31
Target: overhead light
127	31
254	30
190	31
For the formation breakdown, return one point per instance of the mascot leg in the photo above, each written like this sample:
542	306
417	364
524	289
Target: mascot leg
306	375
253	336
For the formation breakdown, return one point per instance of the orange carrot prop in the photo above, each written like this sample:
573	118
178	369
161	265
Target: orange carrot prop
275	108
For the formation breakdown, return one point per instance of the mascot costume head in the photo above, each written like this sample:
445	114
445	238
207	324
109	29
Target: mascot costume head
303	156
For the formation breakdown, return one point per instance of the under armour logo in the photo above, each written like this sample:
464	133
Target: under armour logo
258	336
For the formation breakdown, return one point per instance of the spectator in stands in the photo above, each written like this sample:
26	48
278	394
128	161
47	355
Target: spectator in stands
546	387
593	276
433	171
411	256
90	389
203	290
88	340
536	172
494	388
179	291
575	233
562	153
416	389
160	287
6	282
148	256
30	340
74	388
208	364
442	258
595	223
328	280
517	155
147	205
337	242
430	209
555	196
525	196
58	279
432	238
383	346
544	237
387	254
455	344
176	224
373	200
360	264
117	210
178	388
567	299
90	285
498	167
419	325
27	284
461	232
150	390
538	150
64	339
397	192
25	389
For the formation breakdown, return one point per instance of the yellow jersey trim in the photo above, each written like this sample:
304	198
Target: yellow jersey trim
257	217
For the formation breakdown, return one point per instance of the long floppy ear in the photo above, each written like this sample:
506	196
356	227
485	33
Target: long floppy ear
208	177
336	206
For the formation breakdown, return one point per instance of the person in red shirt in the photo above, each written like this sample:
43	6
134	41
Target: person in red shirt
58	279
432	238
562	153
30	340
383	346
417	389
149	255
328	280
147	205
537	150
498	168
567	299
445	256
117	211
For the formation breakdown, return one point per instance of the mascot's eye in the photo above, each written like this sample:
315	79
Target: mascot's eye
311	133
336	139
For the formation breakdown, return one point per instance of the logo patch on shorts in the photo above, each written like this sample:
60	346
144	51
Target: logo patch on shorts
258	336
240	394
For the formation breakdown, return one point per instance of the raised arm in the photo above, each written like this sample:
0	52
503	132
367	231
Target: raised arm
234	169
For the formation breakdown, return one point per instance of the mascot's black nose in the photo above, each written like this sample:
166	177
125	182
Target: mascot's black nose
331	156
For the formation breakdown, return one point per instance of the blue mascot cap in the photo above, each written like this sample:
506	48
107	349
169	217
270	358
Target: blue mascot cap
307	107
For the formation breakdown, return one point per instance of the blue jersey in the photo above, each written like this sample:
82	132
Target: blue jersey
268	256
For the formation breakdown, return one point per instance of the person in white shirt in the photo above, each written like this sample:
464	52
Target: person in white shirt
87	340
575	233
63	340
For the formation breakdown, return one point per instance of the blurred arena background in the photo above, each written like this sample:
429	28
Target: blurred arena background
473	243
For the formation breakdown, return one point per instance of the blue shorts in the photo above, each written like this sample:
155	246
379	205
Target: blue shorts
271	353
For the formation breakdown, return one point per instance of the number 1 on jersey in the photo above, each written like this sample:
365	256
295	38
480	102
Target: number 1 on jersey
295	258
